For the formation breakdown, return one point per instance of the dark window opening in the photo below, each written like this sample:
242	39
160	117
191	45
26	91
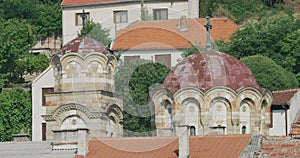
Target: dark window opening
192	131
44	128
244	130
45	91
120	16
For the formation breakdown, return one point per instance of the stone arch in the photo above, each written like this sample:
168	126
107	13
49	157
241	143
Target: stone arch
221	93
116	112
164	115
73	122
250	93
220	115
191	110
246	112
99	57
56	65
188	92
114	125
94	66
70	57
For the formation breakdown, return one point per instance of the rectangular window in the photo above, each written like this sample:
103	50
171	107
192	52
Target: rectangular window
160	14
165	59
43	131
128	59
78	18
45	91
120	16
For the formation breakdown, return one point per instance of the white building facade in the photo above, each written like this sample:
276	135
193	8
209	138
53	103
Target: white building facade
115	15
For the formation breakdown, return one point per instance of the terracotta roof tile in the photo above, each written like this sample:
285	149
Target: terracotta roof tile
282	97
167	147
280	147
81	2
165	34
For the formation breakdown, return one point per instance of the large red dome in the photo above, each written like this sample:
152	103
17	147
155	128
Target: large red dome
205	70
83	46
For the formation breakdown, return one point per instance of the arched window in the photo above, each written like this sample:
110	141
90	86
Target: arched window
192	131
244	130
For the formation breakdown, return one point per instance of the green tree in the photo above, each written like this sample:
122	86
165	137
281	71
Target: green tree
133	81
264	38
16	39
15	113
97	32
270	75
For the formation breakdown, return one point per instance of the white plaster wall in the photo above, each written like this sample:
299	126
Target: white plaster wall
294	110
44	80
150	54
104	14
278	120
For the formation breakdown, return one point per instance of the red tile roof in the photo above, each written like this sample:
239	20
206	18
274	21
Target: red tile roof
282	97
84	2
167	147
164	34
280	147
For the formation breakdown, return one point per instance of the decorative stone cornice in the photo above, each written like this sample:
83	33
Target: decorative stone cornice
73	106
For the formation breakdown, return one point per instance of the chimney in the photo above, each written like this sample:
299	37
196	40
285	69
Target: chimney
182	132
21	137
182	24
82	148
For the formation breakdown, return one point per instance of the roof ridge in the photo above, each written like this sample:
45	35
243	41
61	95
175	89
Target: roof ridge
287	90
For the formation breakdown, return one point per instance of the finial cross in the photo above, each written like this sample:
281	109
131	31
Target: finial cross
208	28
83	17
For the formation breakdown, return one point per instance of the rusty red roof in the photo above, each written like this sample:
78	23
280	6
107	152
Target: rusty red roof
167	147
282	97
165	34
205	70
83	46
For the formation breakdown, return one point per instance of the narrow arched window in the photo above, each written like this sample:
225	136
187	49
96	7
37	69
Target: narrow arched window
192	131
244	130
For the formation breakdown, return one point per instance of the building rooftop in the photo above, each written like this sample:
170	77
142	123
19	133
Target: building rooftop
167	147
284	96
205	70
166	34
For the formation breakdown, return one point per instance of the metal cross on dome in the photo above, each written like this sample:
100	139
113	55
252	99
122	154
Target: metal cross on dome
83	17
208	28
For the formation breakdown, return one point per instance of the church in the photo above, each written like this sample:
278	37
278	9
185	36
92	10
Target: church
207	93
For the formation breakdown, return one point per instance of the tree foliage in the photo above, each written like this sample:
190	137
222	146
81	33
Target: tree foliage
15	113
270	75
133	81
17	39
45	15
97	32
275	37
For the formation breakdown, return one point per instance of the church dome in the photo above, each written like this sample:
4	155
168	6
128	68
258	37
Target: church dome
83	46
205	70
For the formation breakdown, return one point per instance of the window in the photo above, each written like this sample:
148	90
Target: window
78	18
120	16
160	14
192	131
43	131
128	59
165	59
44	91
244	130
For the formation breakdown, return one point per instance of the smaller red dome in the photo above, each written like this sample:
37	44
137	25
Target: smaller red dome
83	46
206	70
